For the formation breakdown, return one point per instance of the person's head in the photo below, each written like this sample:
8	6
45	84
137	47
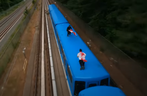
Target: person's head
80	50
69	26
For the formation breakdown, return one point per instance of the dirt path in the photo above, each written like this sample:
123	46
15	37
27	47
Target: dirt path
15	82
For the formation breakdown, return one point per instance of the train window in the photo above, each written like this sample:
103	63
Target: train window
104	82
64	58
69	73
79	85
91	85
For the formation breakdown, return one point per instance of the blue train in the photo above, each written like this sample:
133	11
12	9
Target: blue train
78	80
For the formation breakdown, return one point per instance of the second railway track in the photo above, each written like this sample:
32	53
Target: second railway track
42	59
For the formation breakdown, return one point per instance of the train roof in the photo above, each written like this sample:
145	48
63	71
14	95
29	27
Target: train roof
102	91
71	46
52	7
56	15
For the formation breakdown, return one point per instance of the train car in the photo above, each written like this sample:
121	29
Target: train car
102	91
94	73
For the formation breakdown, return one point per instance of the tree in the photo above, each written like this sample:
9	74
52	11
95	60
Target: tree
8	2
123	22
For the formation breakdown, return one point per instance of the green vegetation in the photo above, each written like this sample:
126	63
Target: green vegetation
26	12
33	1
122	22
5	4
4	12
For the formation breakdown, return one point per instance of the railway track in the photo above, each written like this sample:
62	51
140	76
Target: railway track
8	23
3	21
42	84
48	80
46	73
5	31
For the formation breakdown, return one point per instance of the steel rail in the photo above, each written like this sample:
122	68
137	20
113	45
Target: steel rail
42	55
51	60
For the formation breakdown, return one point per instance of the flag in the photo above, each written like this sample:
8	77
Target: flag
85	60
72	32
82	54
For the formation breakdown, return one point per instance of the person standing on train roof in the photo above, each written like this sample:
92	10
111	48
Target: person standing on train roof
69	31
81	55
